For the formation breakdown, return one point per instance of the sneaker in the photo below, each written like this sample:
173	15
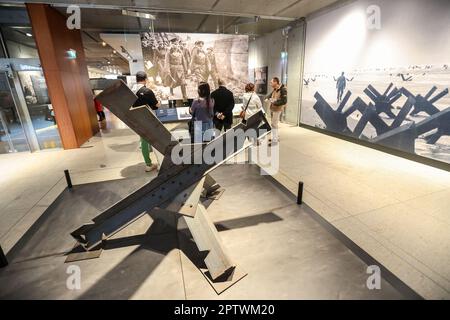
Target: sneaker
151	168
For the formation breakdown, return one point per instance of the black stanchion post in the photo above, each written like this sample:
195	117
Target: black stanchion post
300	193
69	181
3	261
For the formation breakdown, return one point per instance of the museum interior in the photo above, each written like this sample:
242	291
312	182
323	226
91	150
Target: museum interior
225	149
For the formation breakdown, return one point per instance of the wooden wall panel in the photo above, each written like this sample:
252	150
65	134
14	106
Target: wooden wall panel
67	80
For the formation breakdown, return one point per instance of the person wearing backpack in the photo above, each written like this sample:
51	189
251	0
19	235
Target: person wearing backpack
145	97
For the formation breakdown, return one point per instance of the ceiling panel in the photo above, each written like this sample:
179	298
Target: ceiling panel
212	24
306	7
281	8
260	28
192	5
98	20
18	35
177	22
14	16
261	7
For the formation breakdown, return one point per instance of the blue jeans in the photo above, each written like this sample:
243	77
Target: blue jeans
203	131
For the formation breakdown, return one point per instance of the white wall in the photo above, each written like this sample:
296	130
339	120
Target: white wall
266	51
132	43
296	43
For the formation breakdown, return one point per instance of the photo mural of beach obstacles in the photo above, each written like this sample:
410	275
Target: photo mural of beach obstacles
386	123
386	84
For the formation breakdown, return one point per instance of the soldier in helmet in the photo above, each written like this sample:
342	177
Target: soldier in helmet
176	68
213	72
200	65
159	58
186	53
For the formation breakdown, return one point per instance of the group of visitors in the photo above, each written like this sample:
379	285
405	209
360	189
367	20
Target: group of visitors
214	110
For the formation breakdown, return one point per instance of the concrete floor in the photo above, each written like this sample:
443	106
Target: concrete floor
394	209
287	254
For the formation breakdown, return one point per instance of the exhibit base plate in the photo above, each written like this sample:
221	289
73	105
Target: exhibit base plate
78	253
220	286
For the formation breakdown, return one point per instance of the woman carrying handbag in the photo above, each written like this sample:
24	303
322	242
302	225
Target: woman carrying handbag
251	102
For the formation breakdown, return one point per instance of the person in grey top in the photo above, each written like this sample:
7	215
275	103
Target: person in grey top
202	111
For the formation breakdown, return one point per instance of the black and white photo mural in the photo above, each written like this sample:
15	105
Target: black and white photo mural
177	62
379	70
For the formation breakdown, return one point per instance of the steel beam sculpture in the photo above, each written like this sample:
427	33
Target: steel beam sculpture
177	188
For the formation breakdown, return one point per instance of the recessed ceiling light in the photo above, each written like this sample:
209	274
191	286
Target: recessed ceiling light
114	51
28	34
104	43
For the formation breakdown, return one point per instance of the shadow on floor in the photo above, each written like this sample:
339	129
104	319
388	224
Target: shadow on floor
161	238
137	171
113	133
125	147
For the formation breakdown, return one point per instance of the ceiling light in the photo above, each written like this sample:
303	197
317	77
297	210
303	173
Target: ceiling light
104	44
114	51
28	34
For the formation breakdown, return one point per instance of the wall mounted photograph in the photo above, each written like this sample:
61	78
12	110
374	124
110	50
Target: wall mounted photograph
177	62
261	79
373	72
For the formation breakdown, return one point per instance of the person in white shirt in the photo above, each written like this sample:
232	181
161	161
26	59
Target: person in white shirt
251	103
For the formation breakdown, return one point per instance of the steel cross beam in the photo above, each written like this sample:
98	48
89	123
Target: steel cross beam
178	187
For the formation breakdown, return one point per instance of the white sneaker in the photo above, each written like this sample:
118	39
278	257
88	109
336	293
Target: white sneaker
151	168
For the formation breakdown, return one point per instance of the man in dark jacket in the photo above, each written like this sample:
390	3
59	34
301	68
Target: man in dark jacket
223	107
145	97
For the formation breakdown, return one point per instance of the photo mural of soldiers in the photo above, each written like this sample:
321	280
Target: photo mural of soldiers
159	60
186	52
213	72
176	69
177	62
200	64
